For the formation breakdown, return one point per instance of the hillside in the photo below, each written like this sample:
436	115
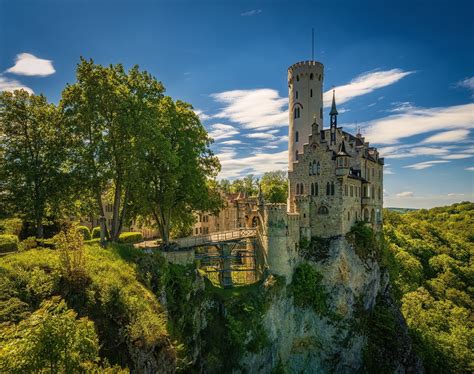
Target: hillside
430	264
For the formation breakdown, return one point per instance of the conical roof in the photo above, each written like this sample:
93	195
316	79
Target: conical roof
333	106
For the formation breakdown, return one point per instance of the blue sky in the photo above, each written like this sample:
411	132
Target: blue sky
403	70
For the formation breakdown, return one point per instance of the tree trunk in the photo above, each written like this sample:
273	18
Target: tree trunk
116	212
39	228
103	228
124	210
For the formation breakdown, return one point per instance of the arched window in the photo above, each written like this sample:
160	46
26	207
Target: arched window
296	155
316	188
294	112
311	76
297	188
301	188
328	189
297	136
311	93
297	78
312	189
310	168
323	210
332	188
318	168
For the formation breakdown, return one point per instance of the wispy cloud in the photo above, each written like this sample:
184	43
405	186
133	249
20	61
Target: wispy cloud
7	84
261	135
470	168
448	136
28	64
231	142
364	84
257	164
405	194
222	131
466	83
250	13
253	109
415	121
202	116
425	165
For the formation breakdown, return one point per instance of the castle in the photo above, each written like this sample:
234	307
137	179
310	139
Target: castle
335	178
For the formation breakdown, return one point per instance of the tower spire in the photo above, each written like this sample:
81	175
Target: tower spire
333	118
333	106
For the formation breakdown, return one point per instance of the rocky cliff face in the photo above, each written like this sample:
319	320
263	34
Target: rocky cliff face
285	330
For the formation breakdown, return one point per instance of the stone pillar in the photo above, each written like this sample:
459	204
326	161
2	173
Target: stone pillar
226	278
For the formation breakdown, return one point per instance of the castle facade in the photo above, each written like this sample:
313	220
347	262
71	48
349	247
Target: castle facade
335	178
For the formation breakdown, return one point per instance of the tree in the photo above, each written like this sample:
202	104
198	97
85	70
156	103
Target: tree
176	167
32	155
274	186
106	111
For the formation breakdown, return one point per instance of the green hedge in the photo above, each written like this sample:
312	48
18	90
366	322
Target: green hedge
8	243
28	243
96	233
86	233
11	226
130	237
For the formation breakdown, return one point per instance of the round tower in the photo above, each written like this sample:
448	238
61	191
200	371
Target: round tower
305	86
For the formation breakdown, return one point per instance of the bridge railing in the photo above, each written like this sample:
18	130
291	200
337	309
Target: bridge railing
216	237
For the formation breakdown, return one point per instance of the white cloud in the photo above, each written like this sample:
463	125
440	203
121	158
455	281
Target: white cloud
405	194
222	131
425	164
447	136
28	64
260	135
426	201
456	156
253	109
250	13
415	121
466	83
257	164
231	142
202	116
364	84
470	168
388	171
7	84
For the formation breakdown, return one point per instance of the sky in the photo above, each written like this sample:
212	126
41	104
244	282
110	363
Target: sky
403	71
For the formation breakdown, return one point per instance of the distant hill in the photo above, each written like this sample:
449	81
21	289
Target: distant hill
401	210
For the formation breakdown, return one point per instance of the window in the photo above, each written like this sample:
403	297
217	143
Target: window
295	113
310	168
296	94
332	188
319	77
328	189
320	112
296	155
345	190
316	189
311	76
297	135
311	93
323	210
318	169
297	188
312	189
352	190
380	194
297	78
301	189
373	192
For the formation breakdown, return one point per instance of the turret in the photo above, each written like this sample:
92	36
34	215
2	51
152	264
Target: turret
305	86
342	160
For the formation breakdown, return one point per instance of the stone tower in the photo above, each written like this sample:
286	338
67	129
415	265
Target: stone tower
305	86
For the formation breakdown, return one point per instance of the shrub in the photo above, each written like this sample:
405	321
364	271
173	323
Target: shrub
364	241
307	289
8	243
71	253
130	237
96	233
86	233
11	226
28	243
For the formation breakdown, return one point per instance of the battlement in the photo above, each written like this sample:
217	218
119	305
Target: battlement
304	64
275	207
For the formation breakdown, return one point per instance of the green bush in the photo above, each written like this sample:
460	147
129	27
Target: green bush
8	243
86	233
92	241
307	289
96	232
11	226
130	237
28	243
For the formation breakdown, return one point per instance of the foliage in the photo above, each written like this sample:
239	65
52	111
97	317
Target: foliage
316	249
430	268
130	237
52	339
274	186
32	156
176	167
364	240
28	243
106	112
11	226
84	230
95	233
129	320
8	243
307	289
70	245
